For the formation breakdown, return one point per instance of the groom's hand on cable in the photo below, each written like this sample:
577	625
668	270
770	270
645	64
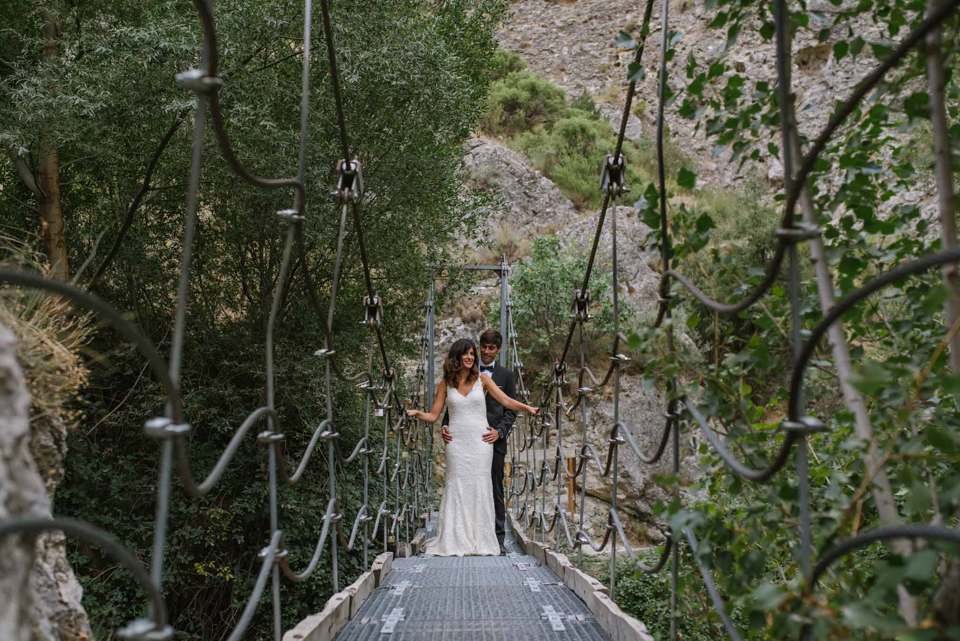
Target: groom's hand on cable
446	435
491	436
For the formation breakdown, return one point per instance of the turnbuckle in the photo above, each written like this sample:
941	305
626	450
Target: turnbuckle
612	175
349	181
373	312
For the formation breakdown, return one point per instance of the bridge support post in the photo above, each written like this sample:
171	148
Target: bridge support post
504	329
431	374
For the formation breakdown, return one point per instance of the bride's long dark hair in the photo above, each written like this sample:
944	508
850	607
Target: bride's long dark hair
454	362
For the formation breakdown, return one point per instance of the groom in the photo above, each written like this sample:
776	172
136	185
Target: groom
499	421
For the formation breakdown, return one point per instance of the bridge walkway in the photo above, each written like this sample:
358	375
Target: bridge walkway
508	598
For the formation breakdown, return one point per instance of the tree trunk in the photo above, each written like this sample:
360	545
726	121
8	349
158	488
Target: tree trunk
48	169
947	607
882	493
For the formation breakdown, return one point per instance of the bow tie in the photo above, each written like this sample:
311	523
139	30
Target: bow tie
486	368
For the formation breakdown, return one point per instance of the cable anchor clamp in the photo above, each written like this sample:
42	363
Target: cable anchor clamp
349	181
806	425
163	427
559	369
277	557
291	215
197	80
798	233
373	311
269	438
612	175
144	630
581	306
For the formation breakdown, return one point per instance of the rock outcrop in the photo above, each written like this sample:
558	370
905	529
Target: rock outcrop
39	594
531	203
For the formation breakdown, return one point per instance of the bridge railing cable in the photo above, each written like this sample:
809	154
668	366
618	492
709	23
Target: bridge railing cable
404	476
529	450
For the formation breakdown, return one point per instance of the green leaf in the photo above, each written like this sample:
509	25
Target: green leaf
856	46
918	499
624	41
692	321
840	49
732	33
917	105
880	51
636	72
871	378
768	597
767	30
686	178
861	615
705	223
935	298
940	439
922	565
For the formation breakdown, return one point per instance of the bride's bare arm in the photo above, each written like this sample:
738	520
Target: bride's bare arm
505	400
437	406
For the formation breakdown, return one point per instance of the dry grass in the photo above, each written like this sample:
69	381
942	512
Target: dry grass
50	335
470	311
506	242
612	95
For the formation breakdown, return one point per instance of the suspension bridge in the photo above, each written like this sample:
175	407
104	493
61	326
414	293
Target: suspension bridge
534	592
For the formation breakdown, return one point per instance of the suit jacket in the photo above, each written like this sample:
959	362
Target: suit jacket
498	416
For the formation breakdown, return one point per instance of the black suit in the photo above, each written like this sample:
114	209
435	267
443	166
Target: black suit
502	419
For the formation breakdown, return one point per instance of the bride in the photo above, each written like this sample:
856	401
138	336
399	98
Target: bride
467	521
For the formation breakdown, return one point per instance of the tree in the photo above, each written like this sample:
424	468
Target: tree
413	84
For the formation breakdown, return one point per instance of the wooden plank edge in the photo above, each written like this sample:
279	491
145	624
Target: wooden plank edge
342	606
615	622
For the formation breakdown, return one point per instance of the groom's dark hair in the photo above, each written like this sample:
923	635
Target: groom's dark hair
491	337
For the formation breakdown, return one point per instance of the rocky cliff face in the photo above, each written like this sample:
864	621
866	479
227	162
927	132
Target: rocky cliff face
571	43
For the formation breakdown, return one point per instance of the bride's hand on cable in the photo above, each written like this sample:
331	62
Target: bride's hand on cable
413	413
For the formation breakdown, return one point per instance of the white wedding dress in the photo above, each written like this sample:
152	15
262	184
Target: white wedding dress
467	524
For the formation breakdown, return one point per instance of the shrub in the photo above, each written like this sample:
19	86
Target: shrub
585	103
571	155
520	102
503	63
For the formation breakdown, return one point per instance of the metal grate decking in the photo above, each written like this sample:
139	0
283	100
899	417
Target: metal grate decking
473	599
